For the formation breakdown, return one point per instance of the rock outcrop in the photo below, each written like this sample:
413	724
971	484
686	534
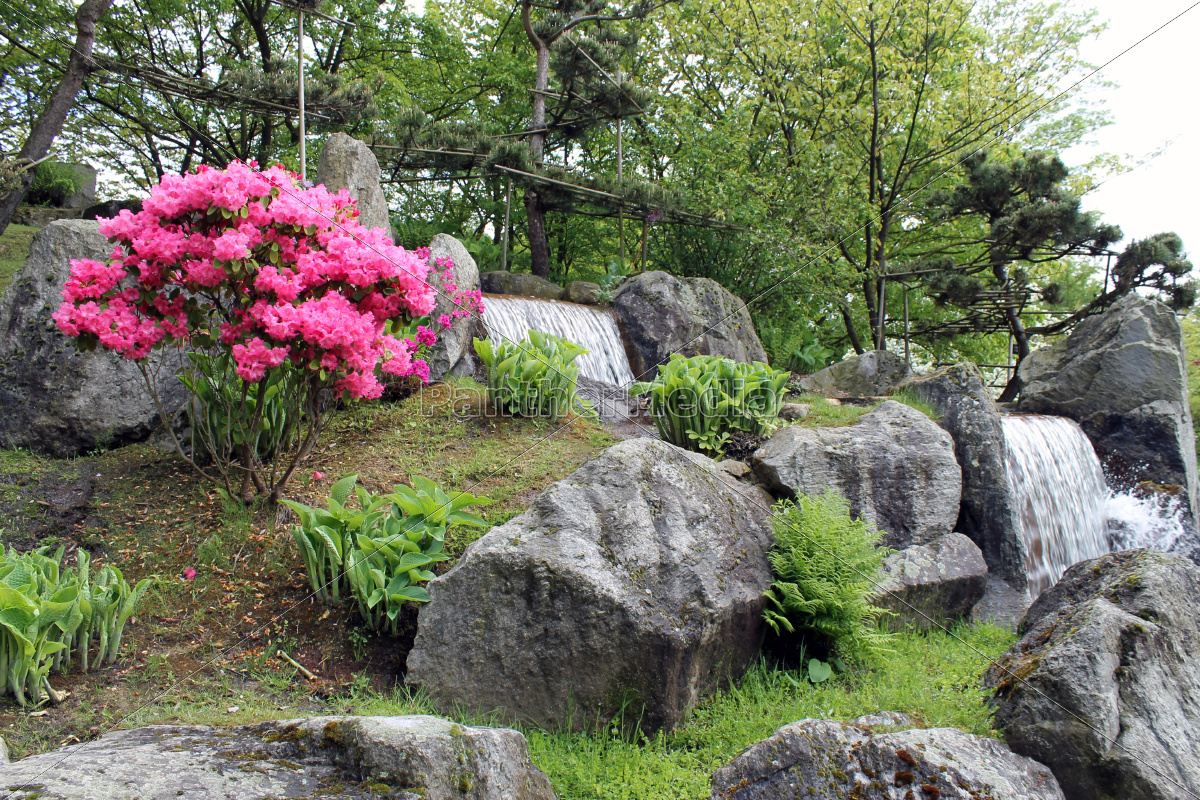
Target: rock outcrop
1103	686
871	374
1122	375
895	467
989	513
827	759
347	163
520	284
584	292
453	342
328	757
54	399
932	585
660	314
632	588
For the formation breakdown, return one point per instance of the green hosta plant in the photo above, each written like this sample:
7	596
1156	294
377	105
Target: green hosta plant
826	566
48	612
532	377
698	402
379	553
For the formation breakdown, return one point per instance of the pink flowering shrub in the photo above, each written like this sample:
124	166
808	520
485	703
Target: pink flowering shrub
273	276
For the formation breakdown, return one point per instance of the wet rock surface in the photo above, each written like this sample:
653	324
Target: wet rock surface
1122	375
660	314
521	284
634	585
403	758
895	467
828	759
1103	685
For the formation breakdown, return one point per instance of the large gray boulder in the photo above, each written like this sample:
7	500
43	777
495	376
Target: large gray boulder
932	585
633	587
1122	375
54	399
347	163
870	374
826	759
1104	686
895	467
404	758
520	284
660	314
989	513
453	342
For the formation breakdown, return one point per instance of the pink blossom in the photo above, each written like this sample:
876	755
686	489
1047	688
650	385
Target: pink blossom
189	574
318	475
444	321
314	287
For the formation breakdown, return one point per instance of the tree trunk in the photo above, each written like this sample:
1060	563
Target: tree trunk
539	247
851	331
535	211
1015	326
50	123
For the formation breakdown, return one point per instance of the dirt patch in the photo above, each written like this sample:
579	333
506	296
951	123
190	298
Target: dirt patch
47	505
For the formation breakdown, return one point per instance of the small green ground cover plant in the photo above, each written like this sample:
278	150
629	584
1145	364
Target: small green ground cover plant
699	402
49	612
825	565
379	553
14	249
535	377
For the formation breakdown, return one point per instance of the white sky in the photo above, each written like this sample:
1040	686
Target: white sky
1155	102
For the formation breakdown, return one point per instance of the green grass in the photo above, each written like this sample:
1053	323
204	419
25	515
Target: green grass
933	678
14	247
909	398
822	413
1191	341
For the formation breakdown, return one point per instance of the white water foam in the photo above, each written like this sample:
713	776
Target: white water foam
512	318
1068	514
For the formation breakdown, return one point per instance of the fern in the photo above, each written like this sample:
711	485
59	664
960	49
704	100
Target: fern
825	565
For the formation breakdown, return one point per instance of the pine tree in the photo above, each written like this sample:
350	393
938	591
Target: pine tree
581	43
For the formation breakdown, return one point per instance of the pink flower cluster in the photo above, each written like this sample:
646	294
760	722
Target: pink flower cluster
255	262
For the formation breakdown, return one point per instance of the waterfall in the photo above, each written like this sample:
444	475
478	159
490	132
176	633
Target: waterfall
512	318
1068	514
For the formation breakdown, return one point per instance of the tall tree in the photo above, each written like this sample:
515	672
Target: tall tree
50	122
582	43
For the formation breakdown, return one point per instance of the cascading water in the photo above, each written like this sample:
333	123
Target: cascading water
1068	514
513	317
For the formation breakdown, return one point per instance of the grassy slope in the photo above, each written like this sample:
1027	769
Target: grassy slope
14	247
1191	340
197	652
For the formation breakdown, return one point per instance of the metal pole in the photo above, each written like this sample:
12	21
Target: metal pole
507	210
620	180
906	358
300	61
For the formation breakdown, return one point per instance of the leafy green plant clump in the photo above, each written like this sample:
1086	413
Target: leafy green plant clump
535	377
380	553
53	183
699	402
825	565
49	612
